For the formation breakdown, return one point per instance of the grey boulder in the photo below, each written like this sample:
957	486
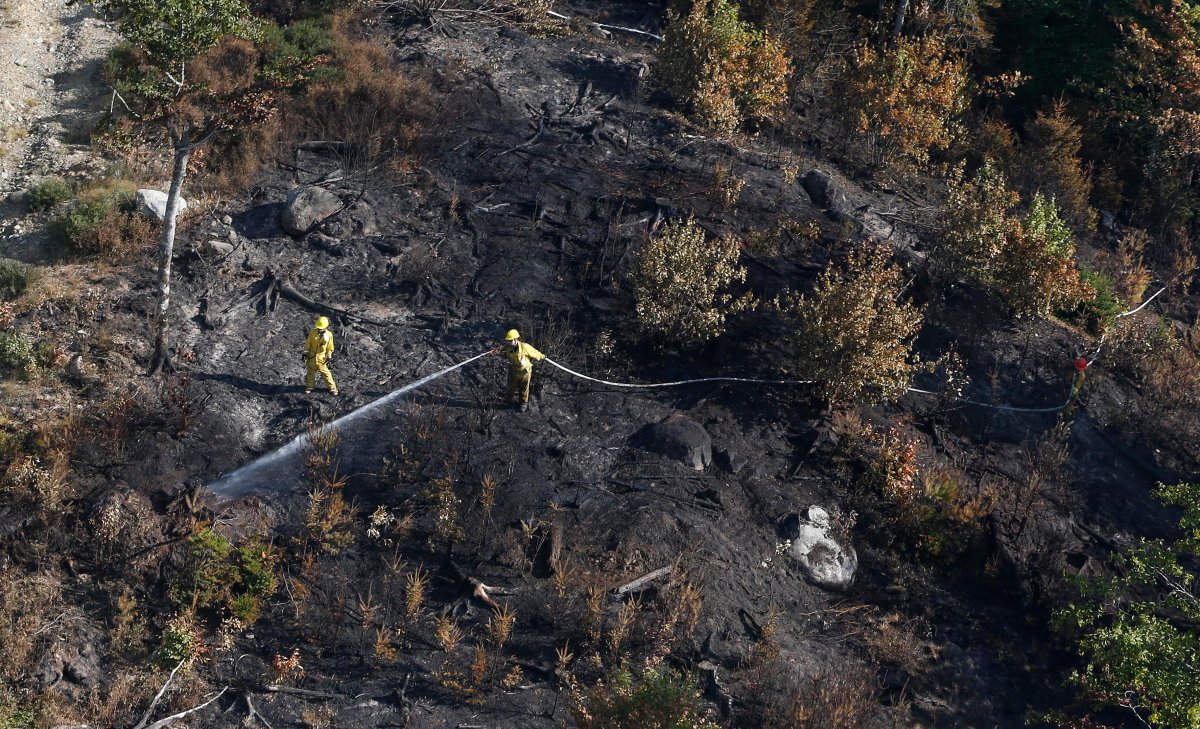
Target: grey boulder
825	192
216	248
681	438
306	207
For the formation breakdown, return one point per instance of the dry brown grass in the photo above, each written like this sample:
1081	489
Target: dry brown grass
28	603
384	119
838	697
120	700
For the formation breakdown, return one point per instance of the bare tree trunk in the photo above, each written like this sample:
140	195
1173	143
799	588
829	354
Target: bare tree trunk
161	361
901	10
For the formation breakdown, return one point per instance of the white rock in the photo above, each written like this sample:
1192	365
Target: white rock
825	562
153	203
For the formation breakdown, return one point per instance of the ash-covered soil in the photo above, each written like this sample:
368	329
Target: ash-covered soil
557	163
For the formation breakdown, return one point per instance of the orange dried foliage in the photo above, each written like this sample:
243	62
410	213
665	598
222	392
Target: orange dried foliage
899	106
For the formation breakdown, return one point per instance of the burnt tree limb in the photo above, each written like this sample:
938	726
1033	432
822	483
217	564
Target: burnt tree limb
272	287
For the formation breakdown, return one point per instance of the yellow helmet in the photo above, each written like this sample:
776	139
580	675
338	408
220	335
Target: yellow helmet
322	322
512	334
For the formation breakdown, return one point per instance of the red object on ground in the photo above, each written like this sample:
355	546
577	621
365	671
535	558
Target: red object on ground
1081	364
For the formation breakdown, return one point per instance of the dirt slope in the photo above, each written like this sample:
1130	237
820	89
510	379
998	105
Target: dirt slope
51	53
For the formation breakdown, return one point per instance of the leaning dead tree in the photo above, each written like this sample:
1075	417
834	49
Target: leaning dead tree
145	723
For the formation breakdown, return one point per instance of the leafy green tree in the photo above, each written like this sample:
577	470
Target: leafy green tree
182	76
1138	630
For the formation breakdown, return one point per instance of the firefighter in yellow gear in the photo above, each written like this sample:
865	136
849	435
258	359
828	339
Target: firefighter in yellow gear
318	350
520	367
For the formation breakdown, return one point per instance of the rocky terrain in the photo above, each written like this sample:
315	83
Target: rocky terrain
555	160
50	94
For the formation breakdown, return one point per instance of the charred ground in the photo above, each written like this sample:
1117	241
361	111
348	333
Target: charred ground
555	162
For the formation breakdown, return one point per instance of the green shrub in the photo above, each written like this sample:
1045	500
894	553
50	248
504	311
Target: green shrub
660	699
256	569
17	352
12	715
206	575
1044	223
297	45
1099	313
126	71
104	223
49	192
721	67
1030	261
1136	630
680	282
1037	272
182	641
245	608
15	277
217	575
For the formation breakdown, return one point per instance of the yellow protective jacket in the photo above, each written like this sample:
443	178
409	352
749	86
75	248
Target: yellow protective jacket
520	357
319	345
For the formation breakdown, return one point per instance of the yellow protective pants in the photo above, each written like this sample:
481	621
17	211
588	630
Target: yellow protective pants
315	365
518	384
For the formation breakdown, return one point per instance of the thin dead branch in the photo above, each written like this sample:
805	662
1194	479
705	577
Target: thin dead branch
303	693
254	715
165	722
158	697
605	26
648	577
528	142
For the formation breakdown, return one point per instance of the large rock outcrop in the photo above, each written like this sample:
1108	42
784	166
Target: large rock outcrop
825	192
306	207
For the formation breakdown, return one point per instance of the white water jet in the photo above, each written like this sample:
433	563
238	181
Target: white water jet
245	479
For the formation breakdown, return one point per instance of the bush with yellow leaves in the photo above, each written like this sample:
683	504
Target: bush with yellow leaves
721	67
1031	262
899	105
680	284
854	334
1037	273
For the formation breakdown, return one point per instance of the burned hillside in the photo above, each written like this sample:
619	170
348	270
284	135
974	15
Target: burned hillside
911	409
